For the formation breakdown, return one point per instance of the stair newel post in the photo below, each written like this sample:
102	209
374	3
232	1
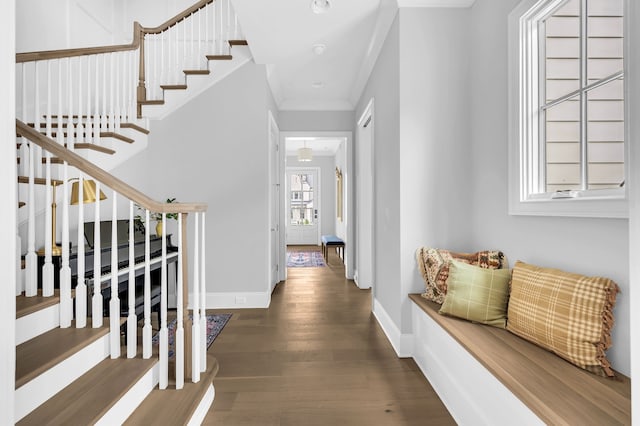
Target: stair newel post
132	319
186	321
66	302
203	302
47	268
146	329
141	90
180	310
164	334
195	304
114	302
96	300
81	287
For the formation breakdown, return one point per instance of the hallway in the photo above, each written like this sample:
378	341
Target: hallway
317	356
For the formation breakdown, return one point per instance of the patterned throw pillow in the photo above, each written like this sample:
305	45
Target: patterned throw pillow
568	314
434	266
477	294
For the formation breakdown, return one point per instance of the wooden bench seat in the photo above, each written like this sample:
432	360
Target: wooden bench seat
555	391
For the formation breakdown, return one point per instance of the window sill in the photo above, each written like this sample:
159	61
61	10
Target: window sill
613	207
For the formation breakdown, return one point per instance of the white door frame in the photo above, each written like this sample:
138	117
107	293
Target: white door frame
317	197
275	223
348	177
366	172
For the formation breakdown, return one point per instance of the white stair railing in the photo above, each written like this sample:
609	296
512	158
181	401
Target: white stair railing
189	358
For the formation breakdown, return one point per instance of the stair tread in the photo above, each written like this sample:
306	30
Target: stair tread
118	136
152	102
219	57
93	147
39	354
134	127
89	397
196	72
238	43
173	86
171	406
28	305
38	181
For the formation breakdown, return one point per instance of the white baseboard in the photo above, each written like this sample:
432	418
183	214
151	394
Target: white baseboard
203	407
33	325
237	300
470	392
127	404
32	394
402	343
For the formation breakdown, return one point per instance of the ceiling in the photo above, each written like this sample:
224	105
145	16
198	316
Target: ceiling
319	146
282	35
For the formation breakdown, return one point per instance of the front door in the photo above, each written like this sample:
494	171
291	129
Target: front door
302	206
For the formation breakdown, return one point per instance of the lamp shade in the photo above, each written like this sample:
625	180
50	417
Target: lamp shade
88	192
305	154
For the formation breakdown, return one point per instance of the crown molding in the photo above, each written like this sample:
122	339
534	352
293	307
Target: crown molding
435	3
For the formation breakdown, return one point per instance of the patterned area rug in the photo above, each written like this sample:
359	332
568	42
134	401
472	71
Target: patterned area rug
215	324
302	259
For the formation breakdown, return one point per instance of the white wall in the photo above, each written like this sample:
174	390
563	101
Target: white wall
67	23
215	150
7	216
328	121
587	246
327	188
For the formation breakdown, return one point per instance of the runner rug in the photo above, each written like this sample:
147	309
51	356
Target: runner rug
215	324
302	259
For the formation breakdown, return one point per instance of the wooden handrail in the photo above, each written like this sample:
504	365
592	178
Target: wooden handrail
103	176
138	35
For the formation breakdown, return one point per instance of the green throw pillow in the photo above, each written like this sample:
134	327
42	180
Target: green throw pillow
477	294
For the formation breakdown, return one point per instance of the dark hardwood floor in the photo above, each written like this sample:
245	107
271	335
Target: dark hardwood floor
317	356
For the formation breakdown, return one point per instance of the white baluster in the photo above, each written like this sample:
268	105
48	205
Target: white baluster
114	303
89	136
179	312
199	56
192	59
31	259
146	329
81	286
163	65
219	14
70	126
104	119
195	325
47	268
203	301
132	319
36	120
112	122
228	29
164	335
155	84
66	302
96	106
118	71
96	301
79	126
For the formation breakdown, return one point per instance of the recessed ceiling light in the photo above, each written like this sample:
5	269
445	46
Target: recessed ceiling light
319	49
320	6
317	84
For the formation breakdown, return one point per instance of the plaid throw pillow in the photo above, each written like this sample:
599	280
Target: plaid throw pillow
568	314
434	267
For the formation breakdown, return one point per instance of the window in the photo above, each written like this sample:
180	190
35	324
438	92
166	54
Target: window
567	87
302	210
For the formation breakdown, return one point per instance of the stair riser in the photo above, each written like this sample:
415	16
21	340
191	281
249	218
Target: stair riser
43	387
37	323
132	399
203	407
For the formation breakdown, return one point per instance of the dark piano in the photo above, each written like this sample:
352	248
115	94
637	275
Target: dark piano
155	244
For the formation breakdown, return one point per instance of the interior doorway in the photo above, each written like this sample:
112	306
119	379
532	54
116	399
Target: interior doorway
303	197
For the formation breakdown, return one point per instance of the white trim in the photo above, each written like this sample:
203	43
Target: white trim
237	300
127	404
203	407
435	3
317	194
521	158
367	118
39	322
402	343
32	394
470	392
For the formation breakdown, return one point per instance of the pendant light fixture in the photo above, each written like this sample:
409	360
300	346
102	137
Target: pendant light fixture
320	6
305	154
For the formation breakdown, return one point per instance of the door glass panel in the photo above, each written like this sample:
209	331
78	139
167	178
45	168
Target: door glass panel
301	199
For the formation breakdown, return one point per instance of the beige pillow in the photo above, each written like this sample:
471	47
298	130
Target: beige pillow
434	267
568	314
477	294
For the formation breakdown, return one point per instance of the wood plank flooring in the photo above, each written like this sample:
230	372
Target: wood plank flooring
317	356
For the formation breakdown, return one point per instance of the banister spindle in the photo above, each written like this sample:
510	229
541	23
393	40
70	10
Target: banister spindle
36	119
96	106
146	329
80	126
66	302
112	114
192	59
31	259
114	303
203	302
132	319
117	89
81	286
47	268
180	358
96	300
195	327
89	132
70	127
141	92
104	119
164	335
